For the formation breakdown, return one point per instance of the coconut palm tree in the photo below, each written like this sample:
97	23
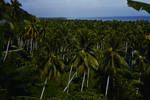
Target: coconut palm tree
114	62
1	42
10	28
14	22
51	70
84	60
139	65
30	35
7	24
47	56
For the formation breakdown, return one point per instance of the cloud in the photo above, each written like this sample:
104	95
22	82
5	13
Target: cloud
77	7
72	3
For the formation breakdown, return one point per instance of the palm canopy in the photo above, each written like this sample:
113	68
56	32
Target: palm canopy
53	67
84	61
114	62
139	5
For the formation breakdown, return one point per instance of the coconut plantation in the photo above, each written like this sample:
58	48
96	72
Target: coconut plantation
73	59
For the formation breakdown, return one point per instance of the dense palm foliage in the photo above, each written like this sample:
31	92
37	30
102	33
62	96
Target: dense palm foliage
45	59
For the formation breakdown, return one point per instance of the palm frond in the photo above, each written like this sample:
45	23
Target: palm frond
121	61
139	5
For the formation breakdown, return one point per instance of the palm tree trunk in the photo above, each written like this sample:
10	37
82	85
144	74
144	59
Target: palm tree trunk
88	77
137	91
42	93
70	72
83	82
106	92
102	45
70	81
8	44
28	44
63	57
131	60
69	77
67	59
25	44
21	43
36	45
18	38
126	47
97	46
31	45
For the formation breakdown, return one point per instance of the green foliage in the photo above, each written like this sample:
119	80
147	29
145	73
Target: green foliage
89	95
43	49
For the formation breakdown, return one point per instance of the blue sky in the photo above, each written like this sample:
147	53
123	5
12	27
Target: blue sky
79	8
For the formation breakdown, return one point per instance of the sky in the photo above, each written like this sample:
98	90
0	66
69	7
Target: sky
80	8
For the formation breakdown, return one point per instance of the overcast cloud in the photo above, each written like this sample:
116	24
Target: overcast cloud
79	8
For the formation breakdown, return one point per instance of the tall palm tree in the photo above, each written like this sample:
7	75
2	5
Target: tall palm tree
139	66
51	70
50	64
114	62
10	28
1	42
30	35
84	60
5	21
10	13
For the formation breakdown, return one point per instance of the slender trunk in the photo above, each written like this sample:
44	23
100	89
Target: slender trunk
126	51
131	60
88	77
108	78
21	43
97	46
63	57
18	38
102	45
70	72
28	43
35	45
16	50
126	47
42	93
67	59
8	44
107	86
70	81
31	43
83	82
140	76
69	77
137	91
61	49
25	44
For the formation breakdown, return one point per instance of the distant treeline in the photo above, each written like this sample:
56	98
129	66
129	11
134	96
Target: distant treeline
53	18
